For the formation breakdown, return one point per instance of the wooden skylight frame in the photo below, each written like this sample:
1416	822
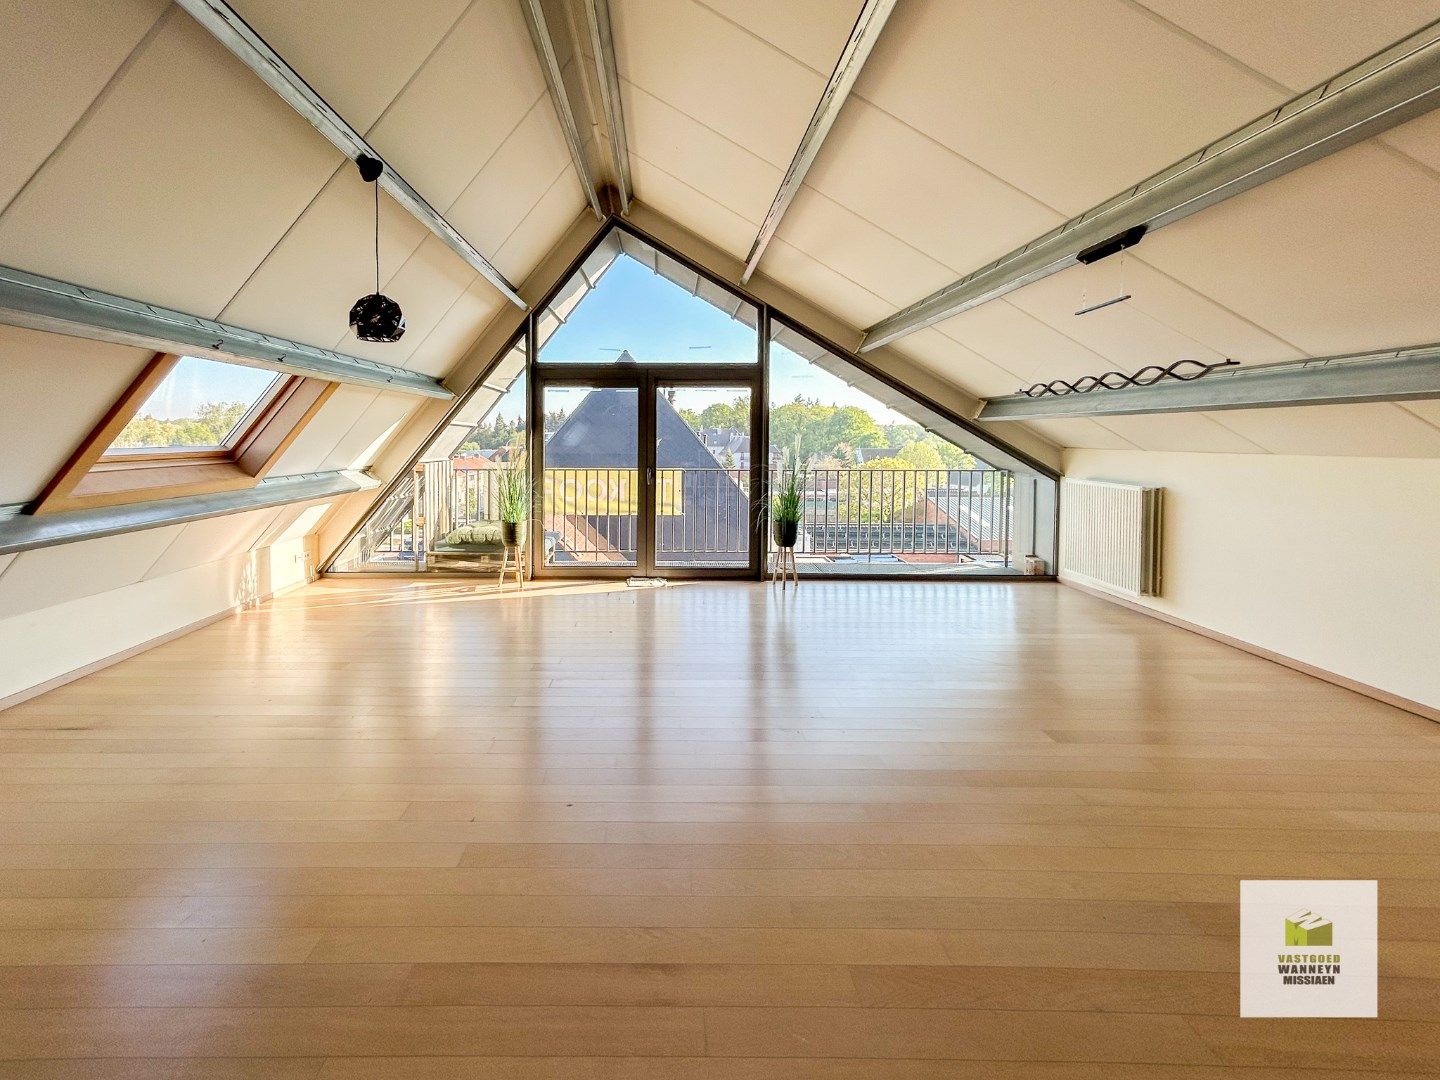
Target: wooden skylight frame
95	476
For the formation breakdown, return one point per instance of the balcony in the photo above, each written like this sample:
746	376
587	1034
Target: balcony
863	521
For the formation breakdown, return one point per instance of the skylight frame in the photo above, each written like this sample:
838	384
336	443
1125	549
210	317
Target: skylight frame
243	429
97	476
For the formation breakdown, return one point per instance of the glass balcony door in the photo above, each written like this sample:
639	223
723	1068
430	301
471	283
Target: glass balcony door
703	440
590	487
644	472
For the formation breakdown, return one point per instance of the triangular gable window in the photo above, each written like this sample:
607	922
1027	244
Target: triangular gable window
670	357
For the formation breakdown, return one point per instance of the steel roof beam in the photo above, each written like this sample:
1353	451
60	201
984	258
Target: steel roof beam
236	35
555	79
1391	87
40	303
863	37
24	532
602	45
1392	375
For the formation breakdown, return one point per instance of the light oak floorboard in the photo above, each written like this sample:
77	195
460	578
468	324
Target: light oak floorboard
890	831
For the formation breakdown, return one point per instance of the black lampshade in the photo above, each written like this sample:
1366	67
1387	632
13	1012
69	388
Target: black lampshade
377	318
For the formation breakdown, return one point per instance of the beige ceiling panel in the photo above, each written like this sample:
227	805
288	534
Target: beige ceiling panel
335	418
697	211
176	185
1021	343
427	284
511	182
325	263
458	329
1419	140
718	73
953	362
1298	43
55	57
457	111
699	156
357	54
1071	102
919	190
1337	257
544	226
812	31
212	539
1079	433
1429	411
53	391
1127	335
869	256
1183	432
358	447
1370	430
1182	314
822	285
53	575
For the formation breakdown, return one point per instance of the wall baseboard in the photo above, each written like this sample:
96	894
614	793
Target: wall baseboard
135	650
1301	666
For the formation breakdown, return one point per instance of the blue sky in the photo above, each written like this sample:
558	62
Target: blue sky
635	309
194	382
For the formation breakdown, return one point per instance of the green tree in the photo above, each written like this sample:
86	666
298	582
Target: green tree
735	414
212	423
854	427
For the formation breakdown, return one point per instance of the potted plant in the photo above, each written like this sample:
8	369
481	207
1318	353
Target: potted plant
512	494
787	507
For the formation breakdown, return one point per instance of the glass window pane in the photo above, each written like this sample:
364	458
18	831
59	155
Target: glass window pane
702	476
590	487
446	514
631	304
885	491
199	405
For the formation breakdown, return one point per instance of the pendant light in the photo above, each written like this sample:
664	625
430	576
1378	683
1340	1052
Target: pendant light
376	317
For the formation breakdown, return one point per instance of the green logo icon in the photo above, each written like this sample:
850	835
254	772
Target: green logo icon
1307	928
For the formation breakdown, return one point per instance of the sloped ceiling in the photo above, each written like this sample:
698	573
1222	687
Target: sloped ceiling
143	158
149	162
976	126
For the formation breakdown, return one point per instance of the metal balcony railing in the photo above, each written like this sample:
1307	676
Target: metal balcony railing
706	517
960	513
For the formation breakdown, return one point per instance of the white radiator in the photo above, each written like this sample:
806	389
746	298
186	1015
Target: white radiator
1110	536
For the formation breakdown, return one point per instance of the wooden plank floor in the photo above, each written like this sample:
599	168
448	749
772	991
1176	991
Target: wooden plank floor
386	829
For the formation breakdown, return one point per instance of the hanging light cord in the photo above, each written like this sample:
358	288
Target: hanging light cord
376	185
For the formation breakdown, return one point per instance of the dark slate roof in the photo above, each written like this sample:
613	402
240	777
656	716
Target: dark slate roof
601	434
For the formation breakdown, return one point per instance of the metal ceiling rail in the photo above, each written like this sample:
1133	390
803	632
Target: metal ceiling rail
23	532
555	80
235	34
1391	375
41	303
602	45
863	37
1391	87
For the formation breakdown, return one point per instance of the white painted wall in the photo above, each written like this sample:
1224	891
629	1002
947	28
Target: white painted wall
48	634
1326	560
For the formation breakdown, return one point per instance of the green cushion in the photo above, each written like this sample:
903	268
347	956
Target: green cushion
482	532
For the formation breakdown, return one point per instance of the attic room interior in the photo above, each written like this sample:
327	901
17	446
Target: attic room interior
707	539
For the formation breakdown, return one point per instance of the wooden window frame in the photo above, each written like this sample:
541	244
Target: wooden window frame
94	477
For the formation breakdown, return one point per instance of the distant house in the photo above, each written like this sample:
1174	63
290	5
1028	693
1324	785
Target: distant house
727	440
873	453
592	512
